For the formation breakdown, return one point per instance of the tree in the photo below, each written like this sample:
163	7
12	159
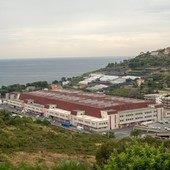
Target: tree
133	93
55	82
63	79
139	157
111	134
104	152
135	133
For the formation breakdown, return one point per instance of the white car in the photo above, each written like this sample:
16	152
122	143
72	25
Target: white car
159	128
168	128
162	122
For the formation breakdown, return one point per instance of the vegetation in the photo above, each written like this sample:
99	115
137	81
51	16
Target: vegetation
119	150
24	134
64	165
30	136
135	133
21	166
11	88
70	165
148	60
39	84
139	157
154	69
20	88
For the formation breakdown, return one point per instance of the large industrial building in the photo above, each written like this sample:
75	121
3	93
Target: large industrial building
94	112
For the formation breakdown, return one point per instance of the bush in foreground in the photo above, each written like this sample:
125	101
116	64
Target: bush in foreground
138	157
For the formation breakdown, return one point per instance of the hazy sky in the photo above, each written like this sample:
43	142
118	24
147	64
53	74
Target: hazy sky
58	28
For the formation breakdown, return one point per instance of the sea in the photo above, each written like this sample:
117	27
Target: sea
22	71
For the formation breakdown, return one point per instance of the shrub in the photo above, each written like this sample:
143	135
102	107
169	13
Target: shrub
70	165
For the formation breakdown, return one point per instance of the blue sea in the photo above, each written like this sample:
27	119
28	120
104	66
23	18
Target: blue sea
22	71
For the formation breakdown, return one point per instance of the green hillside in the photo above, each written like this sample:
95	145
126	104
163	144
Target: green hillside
143	64
39	141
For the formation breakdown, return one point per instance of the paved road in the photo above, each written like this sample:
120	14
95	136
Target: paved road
124	132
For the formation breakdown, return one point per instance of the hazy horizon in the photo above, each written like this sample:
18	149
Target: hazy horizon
65	57
37	29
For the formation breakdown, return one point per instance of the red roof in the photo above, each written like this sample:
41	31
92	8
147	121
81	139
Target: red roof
158	105
65	101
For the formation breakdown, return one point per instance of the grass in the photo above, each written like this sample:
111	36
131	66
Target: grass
33	137
64	165
25	135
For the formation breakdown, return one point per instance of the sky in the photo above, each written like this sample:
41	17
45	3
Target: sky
82	28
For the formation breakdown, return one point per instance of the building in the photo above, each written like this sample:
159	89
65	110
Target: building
141	53
163	99
140	81
108	78
55	87
93	112
97	87
30	88
166	102
131	77
154	53
92	78
167	51
155	97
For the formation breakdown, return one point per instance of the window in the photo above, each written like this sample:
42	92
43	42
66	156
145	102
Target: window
148	112
148	116
138	113
87	122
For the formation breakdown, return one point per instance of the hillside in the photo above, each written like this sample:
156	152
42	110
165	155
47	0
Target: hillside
28	144
143	64
37	142
146	73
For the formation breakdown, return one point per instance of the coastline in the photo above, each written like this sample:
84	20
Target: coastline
22	71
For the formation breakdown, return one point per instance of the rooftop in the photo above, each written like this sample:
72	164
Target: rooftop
60	111
91	103
90	99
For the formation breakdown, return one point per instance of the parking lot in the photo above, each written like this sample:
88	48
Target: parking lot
159	129
162	125
124	132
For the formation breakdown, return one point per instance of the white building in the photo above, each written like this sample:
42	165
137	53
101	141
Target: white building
155	97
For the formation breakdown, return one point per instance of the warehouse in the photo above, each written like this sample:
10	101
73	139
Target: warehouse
94	112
